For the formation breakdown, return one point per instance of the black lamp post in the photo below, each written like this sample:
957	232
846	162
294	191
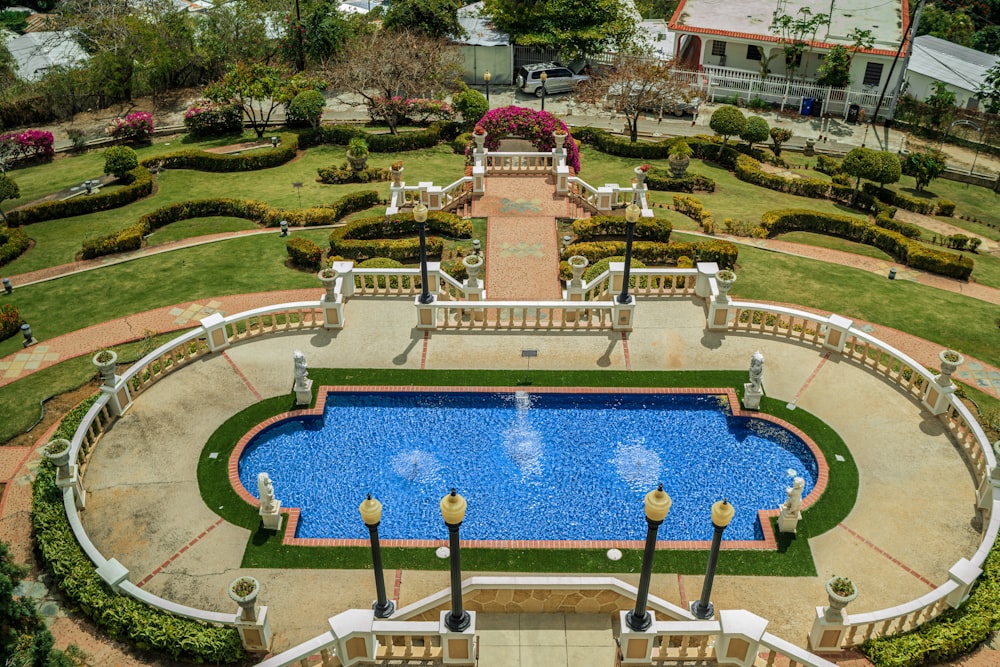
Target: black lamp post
486	78
420	215
453	511
657	505
544	77
631	217
371	514
722	514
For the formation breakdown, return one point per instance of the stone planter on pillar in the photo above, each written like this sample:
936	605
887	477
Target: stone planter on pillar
950	361
724	279
396	174
67	475
640	174
328	277
473	264
810	148
560	138
479	136
106	362
830	626
840	592
719	312
577	264
252	624
938	393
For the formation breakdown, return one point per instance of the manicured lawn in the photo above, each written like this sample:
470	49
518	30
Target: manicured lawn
265	549
834	243
198	227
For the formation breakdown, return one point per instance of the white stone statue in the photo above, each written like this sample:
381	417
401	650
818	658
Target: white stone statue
300	368
266	492
756	370
794	493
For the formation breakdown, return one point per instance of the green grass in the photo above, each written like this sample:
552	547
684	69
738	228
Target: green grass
265	549
834	243
184	229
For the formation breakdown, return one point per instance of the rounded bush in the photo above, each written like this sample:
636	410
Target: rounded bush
471	104
119	160
305	109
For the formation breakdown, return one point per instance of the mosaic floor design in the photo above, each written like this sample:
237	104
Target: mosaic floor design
532	250
974	373
508	206
29	360
194	312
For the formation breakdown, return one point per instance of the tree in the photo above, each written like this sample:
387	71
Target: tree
403	65
861	163
890	169
8	190
924	167
756	131
952	25
796	33
990	89
306	109
836	68
942	105
119	160
434	18
326	30
635	86
471	104
577	27
234	32
728	121
779	135
987	40
258	88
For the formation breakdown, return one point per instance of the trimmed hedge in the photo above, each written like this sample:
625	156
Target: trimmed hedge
694	209
651	252
649	229
702	147
381	143
10	321
120	616
131	237
13	243
304	253
380	236
904	228
748	170
140	184
658	179
258	158
900	200
344	174
905	250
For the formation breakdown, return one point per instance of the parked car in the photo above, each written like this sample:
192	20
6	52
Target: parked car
663	103
560	79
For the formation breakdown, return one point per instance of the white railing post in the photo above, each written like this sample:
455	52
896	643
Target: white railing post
937	395
352	630
720	311
836	333
703	283
562	182
739	637
605	198
478	178
434	197
345	271
963	573
826	636
459	648
215	330
637	645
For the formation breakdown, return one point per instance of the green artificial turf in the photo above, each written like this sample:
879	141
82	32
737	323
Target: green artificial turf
792	558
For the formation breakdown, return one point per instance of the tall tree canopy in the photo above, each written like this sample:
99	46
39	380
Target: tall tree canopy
578	27
434	18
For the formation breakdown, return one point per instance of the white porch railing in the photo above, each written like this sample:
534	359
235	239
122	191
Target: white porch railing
498	162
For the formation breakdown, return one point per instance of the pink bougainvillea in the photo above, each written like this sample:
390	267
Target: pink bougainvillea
136	126
30	144
535	126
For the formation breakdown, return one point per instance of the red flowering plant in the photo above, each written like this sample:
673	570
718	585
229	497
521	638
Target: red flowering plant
535	126
479	129
29	144
136	127
645	167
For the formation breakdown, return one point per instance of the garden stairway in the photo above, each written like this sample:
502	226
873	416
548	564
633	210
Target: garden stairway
522	249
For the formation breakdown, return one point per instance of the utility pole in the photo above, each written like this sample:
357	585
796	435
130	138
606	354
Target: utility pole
906	58
300	57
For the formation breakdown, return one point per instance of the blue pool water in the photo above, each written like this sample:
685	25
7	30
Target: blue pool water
531	466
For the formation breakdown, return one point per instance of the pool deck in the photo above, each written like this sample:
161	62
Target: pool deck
913	518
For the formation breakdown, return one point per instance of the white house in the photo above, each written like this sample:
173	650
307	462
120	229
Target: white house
37	52
736	50
961	69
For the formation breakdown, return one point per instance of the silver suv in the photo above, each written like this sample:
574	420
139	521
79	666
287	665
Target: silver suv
560	79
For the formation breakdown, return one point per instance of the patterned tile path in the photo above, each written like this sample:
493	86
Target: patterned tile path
522	253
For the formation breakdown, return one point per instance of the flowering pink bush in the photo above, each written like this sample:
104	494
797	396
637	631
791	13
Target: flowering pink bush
535	126
137	126
29	144
205	118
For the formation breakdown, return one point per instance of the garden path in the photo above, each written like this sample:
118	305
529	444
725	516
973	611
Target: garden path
940	227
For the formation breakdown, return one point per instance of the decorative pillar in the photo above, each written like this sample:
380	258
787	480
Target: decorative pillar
753	391
963	573
459	646
739	638
253	624
345	270
474	290
605	198
478	179
303	385
562	180
791	510
353	632
831	624
331	304
67	474
703	284
937	395
719	311
836	333
215	332
270	507
574	287
116	388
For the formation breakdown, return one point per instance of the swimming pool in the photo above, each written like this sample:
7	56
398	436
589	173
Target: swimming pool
533	466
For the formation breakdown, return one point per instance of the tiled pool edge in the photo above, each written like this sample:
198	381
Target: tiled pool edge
769	543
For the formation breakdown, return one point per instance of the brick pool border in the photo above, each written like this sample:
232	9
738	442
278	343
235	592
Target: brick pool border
769	543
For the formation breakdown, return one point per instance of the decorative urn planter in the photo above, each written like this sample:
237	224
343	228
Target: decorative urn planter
810	146
950	360
560	138
473	264
357	163
396	173
578	264
640	174
244	592
106	362
725	280
678	165
479	136
840	591
329	279
57	451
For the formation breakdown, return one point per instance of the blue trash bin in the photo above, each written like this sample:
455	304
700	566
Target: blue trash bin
807	106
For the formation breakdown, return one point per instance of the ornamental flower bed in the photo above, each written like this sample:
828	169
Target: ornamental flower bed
29	145
136	127
535	126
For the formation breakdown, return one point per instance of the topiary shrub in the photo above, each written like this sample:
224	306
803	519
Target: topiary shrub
945	207
10	321
13	243
119	160
345	174
395	237
305	109
471	104
649	229
303	253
